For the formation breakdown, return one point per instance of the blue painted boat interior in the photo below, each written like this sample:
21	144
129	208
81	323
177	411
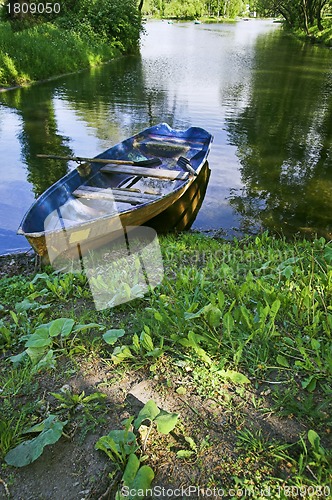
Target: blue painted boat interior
158	141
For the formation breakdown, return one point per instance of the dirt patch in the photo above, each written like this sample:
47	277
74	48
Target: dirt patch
25	264
73	470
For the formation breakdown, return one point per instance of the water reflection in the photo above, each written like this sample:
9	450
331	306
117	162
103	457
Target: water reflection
38	133
283	139
264	96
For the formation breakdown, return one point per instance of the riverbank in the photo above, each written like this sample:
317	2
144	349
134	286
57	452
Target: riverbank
323	37
235	343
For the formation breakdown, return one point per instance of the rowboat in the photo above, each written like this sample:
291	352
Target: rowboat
127	185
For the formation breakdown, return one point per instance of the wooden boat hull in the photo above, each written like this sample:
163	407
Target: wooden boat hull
181	215
98	233
93	204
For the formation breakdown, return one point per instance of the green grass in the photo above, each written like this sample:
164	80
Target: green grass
323	37
47	50
245	324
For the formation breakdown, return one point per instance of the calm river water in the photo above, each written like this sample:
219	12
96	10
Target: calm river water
265	97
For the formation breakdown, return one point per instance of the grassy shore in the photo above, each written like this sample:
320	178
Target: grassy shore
235	344
322	37
46	50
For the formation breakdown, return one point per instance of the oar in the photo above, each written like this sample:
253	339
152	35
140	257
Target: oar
140	163
185	163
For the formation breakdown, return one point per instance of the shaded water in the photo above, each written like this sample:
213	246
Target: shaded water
265	97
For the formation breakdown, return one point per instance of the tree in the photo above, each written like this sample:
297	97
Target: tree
297	14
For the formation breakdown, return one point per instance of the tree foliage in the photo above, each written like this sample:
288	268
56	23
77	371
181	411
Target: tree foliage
194	8
118	21
297	13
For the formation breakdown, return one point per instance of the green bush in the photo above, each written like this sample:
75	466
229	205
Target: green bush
47	50
117	21
83	34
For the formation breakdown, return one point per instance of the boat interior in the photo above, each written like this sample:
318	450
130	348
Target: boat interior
92	191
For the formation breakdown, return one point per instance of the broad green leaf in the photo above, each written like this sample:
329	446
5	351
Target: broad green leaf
314	439
111	336
158	316
40	338
274	309
18	358
95	396
25	305
228	322
47	362
44	326
106	443
88	326
193	342
120	354
221	299
36	353
28	451
155	353
287	272
166	421
315	344
213	315
282	361
328	254
190	315
185	454
310	383
136	344
124	440
40	276
62	327
130	470
35	428
146	341
108	446
233	376
14	317
191	442
149	412
261	313
142	481
246	315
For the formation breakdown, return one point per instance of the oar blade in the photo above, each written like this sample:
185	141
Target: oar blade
148	163
185	163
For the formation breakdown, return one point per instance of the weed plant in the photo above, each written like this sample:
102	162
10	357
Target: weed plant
246	324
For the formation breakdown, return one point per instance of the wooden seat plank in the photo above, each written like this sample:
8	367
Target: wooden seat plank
156	173
96	193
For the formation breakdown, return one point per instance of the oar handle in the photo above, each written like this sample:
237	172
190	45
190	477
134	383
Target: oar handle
152	161
89	160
